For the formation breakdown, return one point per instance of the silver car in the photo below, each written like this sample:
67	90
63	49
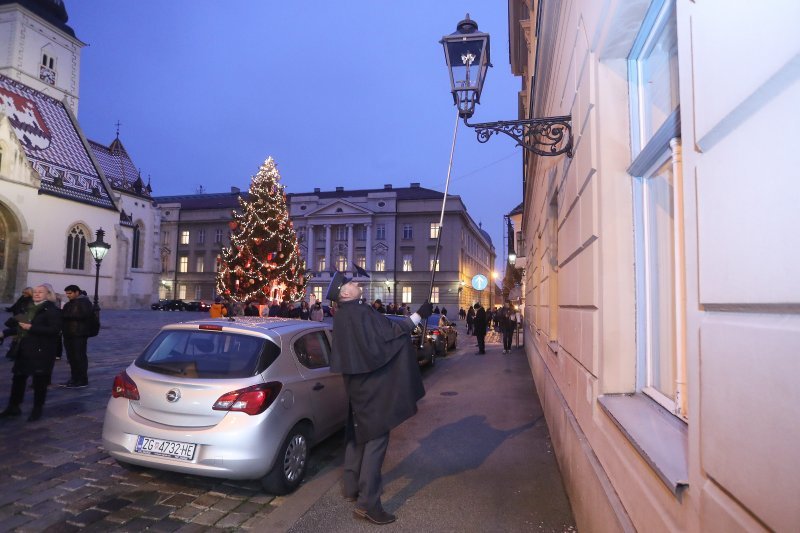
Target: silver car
244	398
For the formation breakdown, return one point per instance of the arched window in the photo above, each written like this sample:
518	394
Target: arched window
76	248
135	247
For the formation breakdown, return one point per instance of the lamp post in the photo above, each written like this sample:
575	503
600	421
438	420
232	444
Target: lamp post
389	291
467	54
99	249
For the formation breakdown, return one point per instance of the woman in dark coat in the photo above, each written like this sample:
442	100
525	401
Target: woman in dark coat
39	336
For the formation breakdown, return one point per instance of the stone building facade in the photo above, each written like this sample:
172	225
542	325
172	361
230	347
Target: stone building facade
662	322
389	232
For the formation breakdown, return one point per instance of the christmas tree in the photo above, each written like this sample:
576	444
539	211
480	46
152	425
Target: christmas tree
263	261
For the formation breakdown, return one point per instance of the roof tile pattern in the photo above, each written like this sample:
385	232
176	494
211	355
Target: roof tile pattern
52	144
119	169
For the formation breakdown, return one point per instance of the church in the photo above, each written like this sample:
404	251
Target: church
58	188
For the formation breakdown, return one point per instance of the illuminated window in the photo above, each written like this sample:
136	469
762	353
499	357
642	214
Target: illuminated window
380	264
406	295
321	264
318	293
435	227
407	267
341	263
435	295
361	261
183	263
430	263
185	236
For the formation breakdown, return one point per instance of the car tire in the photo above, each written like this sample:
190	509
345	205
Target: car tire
290	463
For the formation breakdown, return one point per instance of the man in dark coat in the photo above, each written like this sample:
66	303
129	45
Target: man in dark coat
480	324
76	316
383	384
470	321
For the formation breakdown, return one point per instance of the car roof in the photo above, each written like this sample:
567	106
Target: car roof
253	324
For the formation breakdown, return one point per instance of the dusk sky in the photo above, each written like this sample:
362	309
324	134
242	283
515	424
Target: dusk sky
353	94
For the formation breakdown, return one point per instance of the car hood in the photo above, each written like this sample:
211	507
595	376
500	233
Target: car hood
192	399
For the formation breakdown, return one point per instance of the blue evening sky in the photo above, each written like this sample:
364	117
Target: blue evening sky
348	93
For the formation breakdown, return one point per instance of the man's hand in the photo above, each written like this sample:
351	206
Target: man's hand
425	310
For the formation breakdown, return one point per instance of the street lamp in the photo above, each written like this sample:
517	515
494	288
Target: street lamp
467	54
99	249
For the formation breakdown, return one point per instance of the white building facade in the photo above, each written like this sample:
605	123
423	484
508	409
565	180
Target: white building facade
662	310
56	187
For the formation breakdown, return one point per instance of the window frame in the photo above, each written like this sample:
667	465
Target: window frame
435	229
184	238
183	264
408	263
407	295
380	232
408	232
80	248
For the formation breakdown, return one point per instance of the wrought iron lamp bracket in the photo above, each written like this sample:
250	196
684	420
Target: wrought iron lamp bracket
547	136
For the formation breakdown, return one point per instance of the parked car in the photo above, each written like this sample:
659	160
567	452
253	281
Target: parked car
239	399
426	353
174	305
159	305
198	306
444	337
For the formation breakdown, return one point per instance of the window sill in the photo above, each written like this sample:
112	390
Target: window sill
660	438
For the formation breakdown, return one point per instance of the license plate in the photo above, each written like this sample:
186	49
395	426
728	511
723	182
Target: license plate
165	448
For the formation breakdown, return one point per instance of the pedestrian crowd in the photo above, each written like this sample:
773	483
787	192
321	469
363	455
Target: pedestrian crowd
41	329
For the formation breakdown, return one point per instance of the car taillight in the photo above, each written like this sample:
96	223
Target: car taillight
124	387
434	332
252	400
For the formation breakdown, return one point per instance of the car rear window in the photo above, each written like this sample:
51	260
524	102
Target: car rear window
208	354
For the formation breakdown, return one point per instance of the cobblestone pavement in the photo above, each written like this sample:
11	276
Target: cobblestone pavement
55	475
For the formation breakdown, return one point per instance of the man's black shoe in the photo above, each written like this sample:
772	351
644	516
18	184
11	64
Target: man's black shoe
379	516
76	385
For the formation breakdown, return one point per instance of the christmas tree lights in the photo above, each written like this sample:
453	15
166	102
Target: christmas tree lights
263	261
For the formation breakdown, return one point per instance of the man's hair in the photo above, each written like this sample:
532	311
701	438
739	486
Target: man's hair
72	288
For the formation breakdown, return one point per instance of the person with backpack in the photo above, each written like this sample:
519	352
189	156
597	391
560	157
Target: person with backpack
509	326
77	317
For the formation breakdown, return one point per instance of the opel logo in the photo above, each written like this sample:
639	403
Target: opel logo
173	395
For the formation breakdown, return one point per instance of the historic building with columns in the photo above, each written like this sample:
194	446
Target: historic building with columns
662	318
390	233
57	188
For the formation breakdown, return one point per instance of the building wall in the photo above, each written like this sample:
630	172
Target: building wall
737	328
27	37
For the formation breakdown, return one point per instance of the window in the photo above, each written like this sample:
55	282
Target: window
653	73
435	295
318	293
341	233
341	263
380	264
312	350
201	236
76	248
406	295
198	291
361	261
653	68
380	232
407	267
408	234
218	236
200	264
361	233
183	263
182	292
135	246
435	227
321	264
165	237
430	263
185	236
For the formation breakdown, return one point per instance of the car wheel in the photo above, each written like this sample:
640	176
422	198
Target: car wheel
290	463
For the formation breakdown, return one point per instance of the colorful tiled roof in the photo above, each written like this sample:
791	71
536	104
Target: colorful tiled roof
119	169
52	144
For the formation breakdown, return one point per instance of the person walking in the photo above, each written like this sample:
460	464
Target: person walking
38	331
509	326
470	321
305	312
76	319
480	324
318	313
383	384
217	309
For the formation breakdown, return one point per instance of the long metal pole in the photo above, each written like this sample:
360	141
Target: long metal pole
96	283
441	225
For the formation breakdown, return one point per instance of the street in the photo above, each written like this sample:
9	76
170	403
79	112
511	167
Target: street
57	477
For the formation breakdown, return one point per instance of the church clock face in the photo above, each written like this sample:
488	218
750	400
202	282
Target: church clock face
47	75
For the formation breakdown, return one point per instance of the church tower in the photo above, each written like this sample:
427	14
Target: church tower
39	49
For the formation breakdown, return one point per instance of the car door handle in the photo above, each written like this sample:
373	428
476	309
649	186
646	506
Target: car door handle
318	386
